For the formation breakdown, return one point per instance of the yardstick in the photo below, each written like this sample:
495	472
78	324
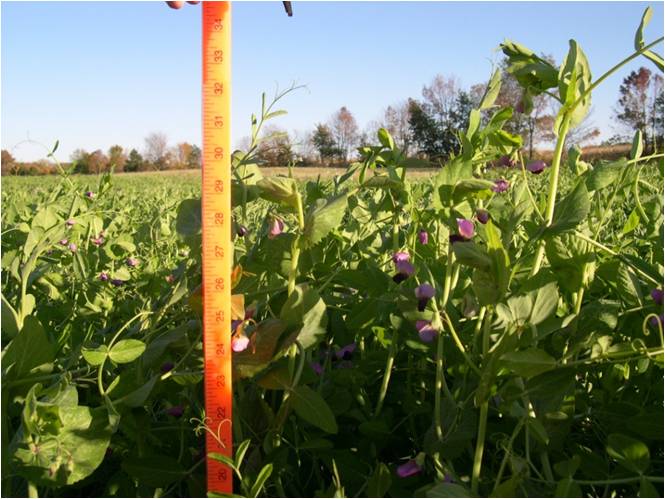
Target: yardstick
217	246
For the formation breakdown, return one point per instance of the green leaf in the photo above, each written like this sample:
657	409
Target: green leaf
226	460
604	175
379	483
574	81
9	319
310	406
492	91
153	470
545	303
386	139
469	253
647	489
632	222
188	219
570	211
263	475
306	311
126	351
628	452
282	190
528	363
639	34
95	355
323	218
138	397
30	348
533	73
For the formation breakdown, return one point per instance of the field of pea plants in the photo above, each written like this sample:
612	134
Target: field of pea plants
495	329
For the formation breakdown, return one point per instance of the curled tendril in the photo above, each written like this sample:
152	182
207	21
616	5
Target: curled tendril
202	425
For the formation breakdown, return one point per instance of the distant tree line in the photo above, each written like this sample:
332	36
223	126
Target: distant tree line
425	127
156	156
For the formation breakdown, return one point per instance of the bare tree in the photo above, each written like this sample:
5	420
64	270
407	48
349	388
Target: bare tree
396	121
155	149
345	131
440	96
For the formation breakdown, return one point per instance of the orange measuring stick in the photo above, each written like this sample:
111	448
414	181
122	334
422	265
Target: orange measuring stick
217	247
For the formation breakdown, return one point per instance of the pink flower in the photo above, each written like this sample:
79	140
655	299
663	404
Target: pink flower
73	248
401	256
423	236
239	343
482	215
97	241
536	166
63	242
276	228
90	194
103	276
132	262
70	222
465	228
409	468
423	293
500	185
170	278
425	330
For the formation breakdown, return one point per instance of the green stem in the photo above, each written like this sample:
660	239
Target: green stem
509	447
613	69
438	385
32	490
480	444
554	184
392	350
482	424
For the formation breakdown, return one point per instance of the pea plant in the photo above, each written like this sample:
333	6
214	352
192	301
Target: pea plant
494	330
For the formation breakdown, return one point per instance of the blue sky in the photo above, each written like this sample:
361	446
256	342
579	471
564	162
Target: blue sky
93	74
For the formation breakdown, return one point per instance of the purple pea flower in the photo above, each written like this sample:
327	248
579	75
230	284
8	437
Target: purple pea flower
346	351
70	222
482	215
423	236
234	324
465	228
401	256
276	228
425	330
316	367
170	278
239	343
167	366
423	293
241	231
403	266
103	277
117	282
500	185
176	411
132	262
73	248
63	242
90	194
506	161
409	468
97	241
657	296
536	167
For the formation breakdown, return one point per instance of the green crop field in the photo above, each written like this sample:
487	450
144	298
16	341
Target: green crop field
487	327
